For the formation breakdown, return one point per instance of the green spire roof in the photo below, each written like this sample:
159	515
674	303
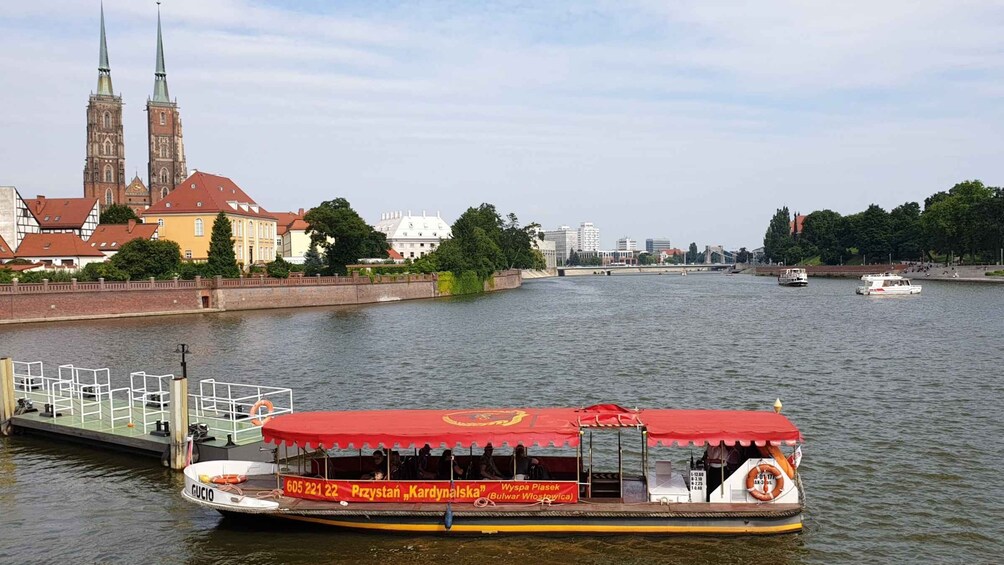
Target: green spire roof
160	75
104	70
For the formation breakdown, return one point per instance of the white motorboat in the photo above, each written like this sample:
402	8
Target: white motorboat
793	277
887	283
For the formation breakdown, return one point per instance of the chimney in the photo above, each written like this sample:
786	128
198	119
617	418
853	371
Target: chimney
132	225
300	213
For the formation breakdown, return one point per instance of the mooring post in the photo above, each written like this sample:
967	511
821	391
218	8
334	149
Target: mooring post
179	414
7	400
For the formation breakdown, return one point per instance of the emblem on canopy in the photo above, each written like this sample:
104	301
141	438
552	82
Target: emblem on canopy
485	417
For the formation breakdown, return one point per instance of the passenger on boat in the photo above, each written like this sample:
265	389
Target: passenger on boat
527	467
379	466
424	468
489	471
396	469
445	462
720	461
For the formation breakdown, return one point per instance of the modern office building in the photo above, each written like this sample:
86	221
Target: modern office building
565	241
589	237
657	245
626	244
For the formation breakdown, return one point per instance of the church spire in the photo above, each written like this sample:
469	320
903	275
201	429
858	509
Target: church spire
160	75
104	70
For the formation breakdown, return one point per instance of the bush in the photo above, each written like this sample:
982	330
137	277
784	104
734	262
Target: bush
995	273
279	268
106	270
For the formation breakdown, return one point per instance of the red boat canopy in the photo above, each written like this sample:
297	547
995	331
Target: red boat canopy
529	426
407	428
698	427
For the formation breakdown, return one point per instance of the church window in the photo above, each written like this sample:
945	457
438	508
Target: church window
109	198
163	175
108	149
198	227
108	173
163	151
163	192
107	120
163	118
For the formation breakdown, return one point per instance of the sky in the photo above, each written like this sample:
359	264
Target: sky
692	120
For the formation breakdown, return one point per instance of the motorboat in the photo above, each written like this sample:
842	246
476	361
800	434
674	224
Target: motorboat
887	284
793	277
323	473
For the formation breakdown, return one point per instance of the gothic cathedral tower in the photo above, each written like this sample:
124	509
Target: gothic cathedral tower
104	170
167	152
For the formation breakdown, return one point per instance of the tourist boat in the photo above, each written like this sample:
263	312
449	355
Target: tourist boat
885	284
793	277
322	472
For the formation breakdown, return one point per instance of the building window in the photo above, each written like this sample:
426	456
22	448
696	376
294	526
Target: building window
163	192
250	229
109	197
107	119
198	227
188	254
106	147
163	118
163	151
108	173
163	175
160	222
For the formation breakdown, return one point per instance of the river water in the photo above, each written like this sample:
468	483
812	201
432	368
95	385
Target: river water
900	401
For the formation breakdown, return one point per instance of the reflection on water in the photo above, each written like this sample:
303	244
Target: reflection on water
896	398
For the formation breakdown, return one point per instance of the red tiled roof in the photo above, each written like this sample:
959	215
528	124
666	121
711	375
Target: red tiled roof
5	251
795	226
55	245
284	219
61	213
20	268
394	254
205	193
109	237
299	225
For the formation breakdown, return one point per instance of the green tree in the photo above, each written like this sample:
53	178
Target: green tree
743	256
105	270
778	238
517	247
647	259
344	235
312	262
279	268
117	214
692	253
872	234
906	237
142	258
821	229
222	259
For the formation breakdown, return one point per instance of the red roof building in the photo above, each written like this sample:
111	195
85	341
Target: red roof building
6	253
58	249
108	238
65	215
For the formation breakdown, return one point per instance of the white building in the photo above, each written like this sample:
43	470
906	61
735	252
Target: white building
565	241
547	249
16	220
589	237
413	236
627	244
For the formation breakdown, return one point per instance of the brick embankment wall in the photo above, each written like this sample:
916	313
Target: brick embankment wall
73	301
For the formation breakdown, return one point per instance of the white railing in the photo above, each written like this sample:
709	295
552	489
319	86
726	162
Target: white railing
27	376
236	409
153	395
233	411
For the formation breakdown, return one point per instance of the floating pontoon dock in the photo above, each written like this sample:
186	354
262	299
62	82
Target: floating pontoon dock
79	404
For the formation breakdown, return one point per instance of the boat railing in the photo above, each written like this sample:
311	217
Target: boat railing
89	387
239	409
58	396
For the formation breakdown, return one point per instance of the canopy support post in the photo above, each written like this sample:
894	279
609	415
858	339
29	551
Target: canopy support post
620	464
589	479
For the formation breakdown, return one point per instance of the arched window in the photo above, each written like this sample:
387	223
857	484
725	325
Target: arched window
250	229
163	175
198	227
163	118
108	173
107	120
160	222
107	148
163	192
109	197
163	151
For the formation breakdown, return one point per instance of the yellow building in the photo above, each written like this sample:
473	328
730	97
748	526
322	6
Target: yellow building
187	213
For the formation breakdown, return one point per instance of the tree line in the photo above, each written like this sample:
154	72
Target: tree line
965	223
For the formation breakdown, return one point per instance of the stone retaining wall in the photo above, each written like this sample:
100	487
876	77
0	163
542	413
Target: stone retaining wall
74	301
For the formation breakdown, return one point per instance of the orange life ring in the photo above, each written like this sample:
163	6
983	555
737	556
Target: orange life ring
763	494
256	418
228	479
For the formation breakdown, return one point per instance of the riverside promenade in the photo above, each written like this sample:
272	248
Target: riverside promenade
47	301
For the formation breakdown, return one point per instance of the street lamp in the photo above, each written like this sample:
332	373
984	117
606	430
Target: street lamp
183	349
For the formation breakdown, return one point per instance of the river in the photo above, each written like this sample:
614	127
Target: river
900	401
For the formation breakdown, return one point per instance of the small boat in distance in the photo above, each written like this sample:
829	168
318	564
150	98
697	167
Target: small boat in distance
887	283
793	277
322	472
